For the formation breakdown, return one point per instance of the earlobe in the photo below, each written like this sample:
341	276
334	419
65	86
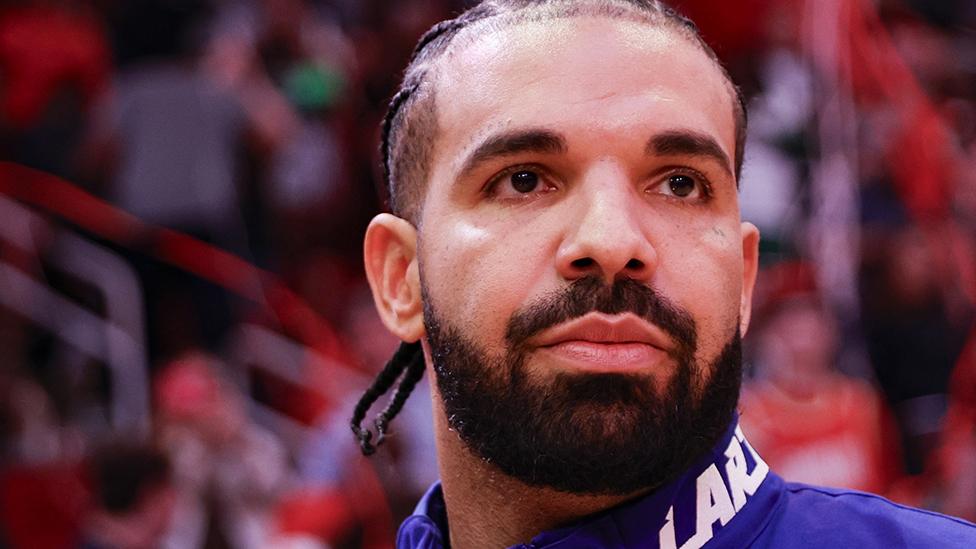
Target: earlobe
750	267
390	253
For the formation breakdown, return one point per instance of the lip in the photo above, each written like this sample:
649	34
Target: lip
606	329
607	343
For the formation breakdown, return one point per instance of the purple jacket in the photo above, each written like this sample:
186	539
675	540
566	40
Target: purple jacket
728	499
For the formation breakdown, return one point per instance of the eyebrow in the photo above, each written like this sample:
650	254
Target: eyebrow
688	143
515	142
669	143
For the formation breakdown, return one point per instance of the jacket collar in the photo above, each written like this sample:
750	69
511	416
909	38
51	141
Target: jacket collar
726	497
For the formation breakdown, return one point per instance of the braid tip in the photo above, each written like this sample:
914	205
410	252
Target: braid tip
364	437
380	424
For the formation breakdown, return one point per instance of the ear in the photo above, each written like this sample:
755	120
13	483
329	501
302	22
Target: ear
750	266
390	252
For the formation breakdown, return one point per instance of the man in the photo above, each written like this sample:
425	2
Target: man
567	258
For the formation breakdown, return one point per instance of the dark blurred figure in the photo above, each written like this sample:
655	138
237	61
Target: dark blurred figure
168	143
914	335
169	137
29	431
228	472
134	498
303	56
54	64
810	421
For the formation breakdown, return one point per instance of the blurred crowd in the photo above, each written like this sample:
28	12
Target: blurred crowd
185	324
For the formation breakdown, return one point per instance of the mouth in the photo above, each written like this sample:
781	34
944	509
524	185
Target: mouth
605	343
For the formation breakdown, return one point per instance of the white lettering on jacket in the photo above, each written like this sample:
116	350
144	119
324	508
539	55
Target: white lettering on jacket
716	501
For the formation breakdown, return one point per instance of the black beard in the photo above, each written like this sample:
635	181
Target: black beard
585	433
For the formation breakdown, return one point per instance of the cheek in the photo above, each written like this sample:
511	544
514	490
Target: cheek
723	245
704	275
478	276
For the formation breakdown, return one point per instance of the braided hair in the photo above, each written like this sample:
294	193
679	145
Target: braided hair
407	365
408	133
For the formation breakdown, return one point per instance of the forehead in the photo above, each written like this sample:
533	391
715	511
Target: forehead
599	75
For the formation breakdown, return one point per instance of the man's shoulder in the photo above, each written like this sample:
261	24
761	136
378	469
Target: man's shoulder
849	518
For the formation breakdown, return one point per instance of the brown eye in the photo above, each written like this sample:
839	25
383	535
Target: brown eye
681	185
524	181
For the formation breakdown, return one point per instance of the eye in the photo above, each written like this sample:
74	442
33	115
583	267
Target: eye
524	181
690	186
681	185
520	182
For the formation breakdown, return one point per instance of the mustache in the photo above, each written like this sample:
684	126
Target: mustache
591	294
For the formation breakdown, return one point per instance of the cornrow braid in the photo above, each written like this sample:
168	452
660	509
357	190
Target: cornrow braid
408	358
431	44
398	100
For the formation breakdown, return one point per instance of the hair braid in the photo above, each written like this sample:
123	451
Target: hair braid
430	45
414	371
404	359
398	100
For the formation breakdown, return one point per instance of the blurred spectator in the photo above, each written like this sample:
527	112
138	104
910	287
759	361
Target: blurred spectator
31	432
304	186
228	472
913	340
134	498
28	423
170	139
172	134
809	421
54	62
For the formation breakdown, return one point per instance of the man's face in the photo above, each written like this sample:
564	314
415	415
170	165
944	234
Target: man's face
582	157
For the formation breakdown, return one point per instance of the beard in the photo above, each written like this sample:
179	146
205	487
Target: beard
584	433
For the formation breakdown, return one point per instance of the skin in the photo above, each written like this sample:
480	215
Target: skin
604	207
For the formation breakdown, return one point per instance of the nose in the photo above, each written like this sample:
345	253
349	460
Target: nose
607	236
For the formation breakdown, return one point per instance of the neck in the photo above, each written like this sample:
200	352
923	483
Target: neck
486	508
